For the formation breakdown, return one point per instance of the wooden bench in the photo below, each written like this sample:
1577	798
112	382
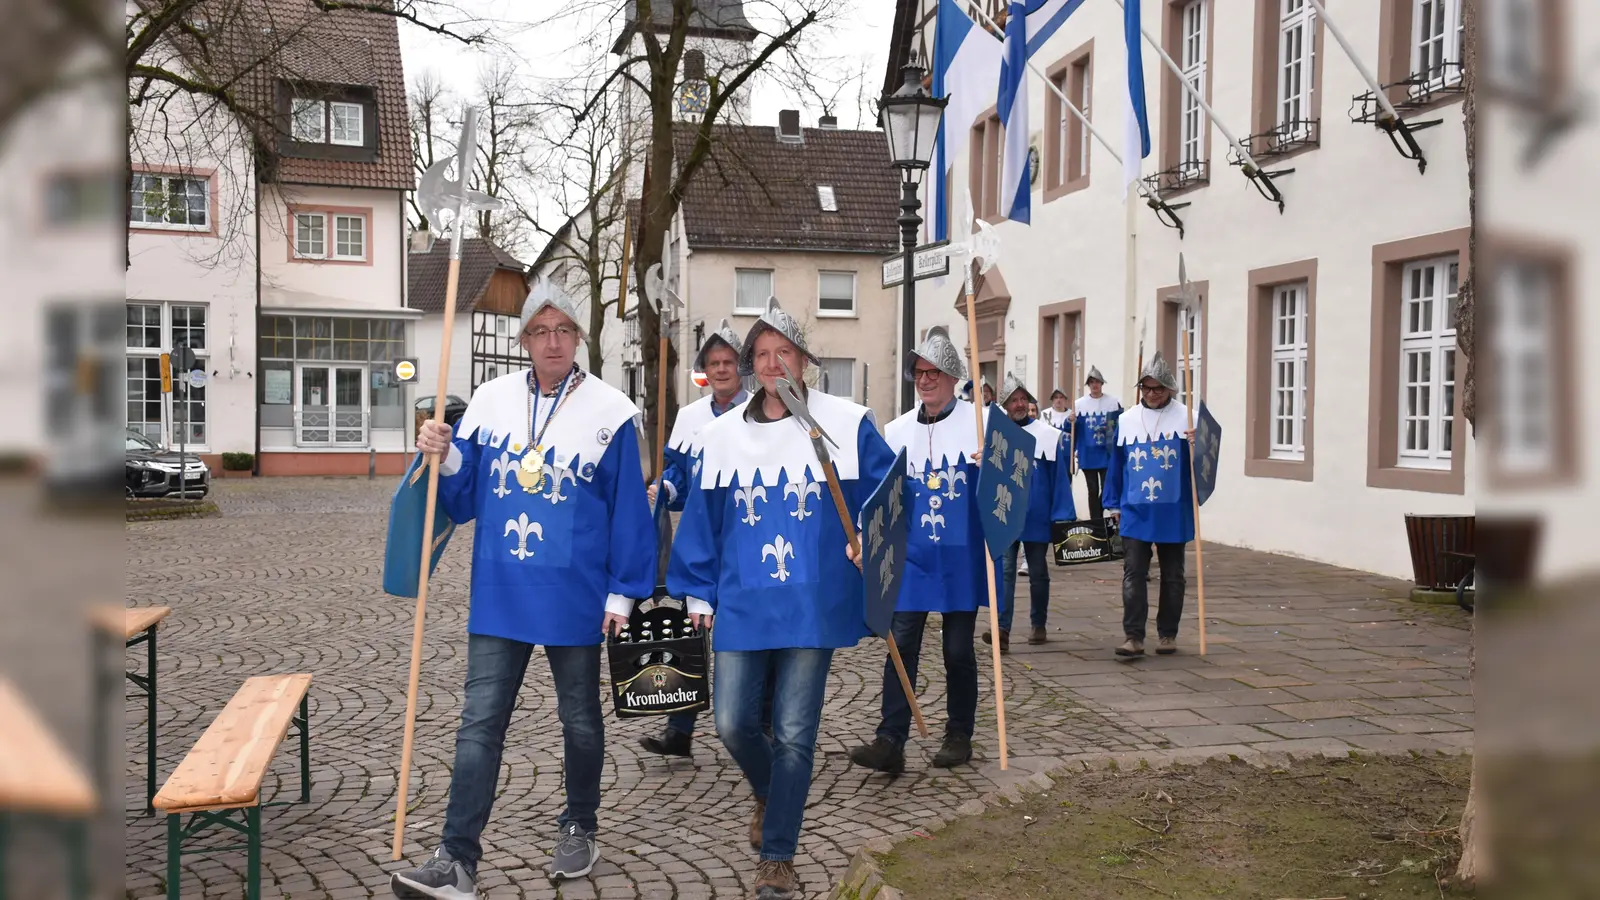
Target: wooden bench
40	780
135	626
223	772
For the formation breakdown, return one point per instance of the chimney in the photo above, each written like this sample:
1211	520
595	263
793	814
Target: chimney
789	126
829	122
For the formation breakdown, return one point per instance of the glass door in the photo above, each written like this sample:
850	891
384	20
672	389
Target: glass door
332	406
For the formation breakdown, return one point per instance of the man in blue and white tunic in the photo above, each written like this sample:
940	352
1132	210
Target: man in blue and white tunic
1049	500
1094	429
719	359
1147	485
547	462
945	569
761	545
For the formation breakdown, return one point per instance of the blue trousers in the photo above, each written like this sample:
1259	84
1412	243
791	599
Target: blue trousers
1038	583
961	673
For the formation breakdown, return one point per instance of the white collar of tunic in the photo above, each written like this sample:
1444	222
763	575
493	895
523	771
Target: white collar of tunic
1143	425
692	419
953	441
1091	405
584	427
736	449
1046	438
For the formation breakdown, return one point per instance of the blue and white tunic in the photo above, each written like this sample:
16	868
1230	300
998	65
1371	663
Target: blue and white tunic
944	543
1094	429
681	446
546	566
1050	497
1149	475
760	542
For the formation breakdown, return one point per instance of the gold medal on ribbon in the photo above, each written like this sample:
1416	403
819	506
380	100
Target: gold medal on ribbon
530	472
933	482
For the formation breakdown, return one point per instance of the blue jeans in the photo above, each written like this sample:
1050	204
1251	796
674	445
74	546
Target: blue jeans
1038	583
961	673
683	723
495	668
779	768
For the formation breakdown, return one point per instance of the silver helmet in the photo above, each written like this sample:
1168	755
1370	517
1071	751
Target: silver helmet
774	319
546	293
1158	369
1014	384
723	335
1094	375
938	351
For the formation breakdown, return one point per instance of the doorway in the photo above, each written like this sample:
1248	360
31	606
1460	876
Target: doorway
331	405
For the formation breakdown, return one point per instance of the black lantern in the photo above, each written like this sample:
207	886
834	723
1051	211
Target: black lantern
910	120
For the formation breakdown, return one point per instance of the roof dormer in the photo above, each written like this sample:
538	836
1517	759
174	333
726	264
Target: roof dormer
327	121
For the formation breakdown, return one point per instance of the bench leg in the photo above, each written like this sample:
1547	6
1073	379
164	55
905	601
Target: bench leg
252	824
174	855
304	726
5	841
150	727
76	836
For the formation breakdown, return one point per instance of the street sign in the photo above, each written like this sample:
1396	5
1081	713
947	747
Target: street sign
930	260
166	373
405	371
197	378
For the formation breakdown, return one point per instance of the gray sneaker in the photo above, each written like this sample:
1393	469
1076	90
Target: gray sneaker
441	878
575	854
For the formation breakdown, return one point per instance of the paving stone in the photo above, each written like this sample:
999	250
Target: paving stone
1321	728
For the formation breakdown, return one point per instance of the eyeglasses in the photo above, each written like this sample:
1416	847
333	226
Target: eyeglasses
924	374
1152	387
542	333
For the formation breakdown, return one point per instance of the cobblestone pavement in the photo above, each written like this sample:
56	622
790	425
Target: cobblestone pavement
1301	656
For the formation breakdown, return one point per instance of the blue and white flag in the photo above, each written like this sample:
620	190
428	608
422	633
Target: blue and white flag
966	68
1044	17
1029	23
1136	135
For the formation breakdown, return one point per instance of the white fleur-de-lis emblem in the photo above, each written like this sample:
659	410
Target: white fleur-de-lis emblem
521	527
894	500
951	476
1137	456
885	571
748	496
933	518
779	550
499	469
1001	448
696	470
555	478
1002	502
1019	467
1151	485
875	532
1166	455
801	490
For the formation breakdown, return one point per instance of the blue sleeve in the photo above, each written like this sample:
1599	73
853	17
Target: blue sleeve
458	493
678	466
1111	494
631	563
1062	507
874	459
696	563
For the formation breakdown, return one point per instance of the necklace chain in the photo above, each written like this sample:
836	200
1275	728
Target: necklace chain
534	440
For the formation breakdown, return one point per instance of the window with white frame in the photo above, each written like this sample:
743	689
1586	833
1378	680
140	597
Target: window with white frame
837	377
1428	362
1191	118
1515	36
173	202
751	287
1524	351
1436	34
348	241
1297	21
1191	323
826	198
154	329
1290	351
1081	80
307	120
345	121
836	293
327	122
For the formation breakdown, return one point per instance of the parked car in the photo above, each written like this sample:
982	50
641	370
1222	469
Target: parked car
454	408
151	470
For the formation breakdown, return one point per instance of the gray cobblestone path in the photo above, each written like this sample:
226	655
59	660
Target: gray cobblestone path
1301	656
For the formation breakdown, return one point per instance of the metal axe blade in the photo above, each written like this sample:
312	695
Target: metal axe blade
790	394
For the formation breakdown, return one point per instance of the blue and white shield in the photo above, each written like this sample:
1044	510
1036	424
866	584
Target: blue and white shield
1005	480
402	552
884	527
1207	449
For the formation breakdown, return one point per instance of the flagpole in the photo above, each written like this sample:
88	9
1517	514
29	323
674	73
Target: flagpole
1194	492
1361	67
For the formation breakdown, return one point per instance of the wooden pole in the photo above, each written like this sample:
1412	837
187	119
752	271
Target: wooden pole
1194	494
988	558
661	400
451	280
622	271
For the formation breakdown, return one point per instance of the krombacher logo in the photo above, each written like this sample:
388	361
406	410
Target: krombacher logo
661	697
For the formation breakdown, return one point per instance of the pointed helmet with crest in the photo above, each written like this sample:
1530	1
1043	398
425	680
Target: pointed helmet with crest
546	293
1158	370
1012	385
774	319
1094	375
723	336
938	351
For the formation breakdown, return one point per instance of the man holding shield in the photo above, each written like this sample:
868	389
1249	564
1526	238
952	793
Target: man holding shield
944	564
547	461
759	545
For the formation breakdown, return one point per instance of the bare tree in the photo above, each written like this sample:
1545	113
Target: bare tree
506	137
429	103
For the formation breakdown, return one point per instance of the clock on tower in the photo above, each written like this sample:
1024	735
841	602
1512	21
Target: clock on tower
693	98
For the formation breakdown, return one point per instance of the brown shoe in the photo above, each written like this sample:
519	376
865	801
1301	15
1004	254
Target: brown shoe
1037	636
1166	646
775	880
757	818
1005	640
1131	647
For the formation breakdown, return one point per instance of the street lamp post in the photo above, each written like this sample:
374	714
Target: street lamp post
910	120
